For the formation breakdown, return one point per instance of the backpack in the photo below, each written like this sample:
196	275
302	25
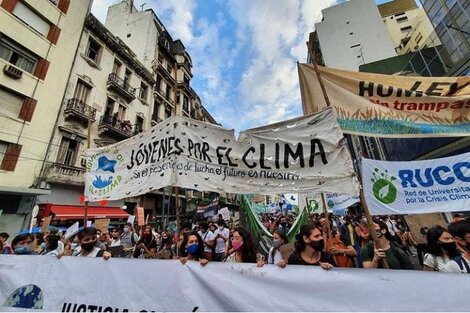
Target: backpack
462	263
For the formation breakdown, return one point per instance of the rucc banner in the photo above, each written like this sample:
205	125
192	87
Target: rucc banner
440	185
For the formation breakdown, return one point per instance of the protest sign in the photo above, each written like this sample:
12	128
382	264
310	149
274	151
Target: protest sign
38	283
140	216
335	201
131	219
46	223
72	230
414	187
102	224
389	105
308	153
225	212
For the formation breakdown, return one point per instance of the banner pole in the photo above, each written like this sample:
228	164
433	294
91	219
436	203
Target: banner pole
370	222
88	144
176	189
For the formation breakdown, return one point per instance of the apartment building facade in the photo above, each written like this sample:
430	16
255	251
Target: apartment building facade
172	69
108	99
399	17
38	42
353	33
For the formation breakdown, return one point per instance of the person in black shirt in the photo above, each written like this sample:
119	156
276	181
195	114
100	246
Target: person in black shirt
309	248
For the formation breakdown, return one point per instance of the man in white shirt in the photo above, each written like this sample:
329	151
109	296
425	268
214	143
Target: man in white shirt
208	238
221	235
461	232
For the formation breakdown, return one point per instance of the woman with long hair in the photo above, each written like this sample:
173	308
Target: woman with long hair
147	245
164	250
274	255
193	248
441	248
309	246
243	247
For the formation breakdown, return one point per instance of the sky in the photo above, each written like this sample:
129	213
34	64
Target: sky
244	53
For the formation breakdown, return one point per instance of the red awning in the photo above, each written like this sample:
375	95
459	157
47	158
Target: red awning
78	212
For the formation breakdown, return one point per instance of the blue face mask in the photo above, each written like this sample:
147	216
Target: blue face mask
192	248
23	249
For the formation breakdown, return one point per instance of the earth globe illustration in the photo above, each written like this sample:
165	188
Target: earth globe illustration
27	297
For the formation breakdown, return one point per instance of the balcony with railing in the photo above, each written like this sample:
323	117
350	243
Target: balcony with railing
120	86
115	128
65	174
79	110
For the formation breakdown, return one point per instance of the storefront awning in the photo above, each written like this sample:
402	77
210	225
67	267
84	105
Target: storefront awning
78	212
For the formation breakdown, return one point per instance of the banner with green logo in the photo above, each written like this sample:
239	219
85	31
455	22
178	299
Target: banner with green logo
439	185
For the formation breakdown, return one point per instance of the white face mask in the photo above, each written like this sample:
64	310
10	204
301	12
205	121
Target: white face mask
126	229
221	228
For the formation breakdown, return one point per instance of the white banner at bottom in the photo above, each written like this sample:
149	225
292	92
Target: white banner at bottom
72	284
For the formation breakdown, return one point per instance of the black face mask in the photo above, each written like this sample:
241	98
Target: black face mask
283	224
448	246
317	245
88	246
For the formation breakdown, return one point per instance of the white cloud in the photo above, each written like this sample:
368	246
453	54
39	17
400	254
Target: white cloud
269	38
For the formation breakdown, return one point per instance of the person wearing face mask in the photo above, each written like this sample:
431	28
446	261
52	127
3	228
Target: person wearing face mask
461	232
274	255
146	247
221	236
309	246
23	244
243	248
283	225
372	256
88	238
50	246
209	239
128	239
164	250
194	248
441	249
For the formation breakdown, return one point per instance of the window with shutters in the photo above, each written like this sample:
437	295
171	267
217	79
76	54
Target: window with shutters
34	20
9	155
82	92
17	55
68	151
117	67
3	150
10	102
93	51
122	112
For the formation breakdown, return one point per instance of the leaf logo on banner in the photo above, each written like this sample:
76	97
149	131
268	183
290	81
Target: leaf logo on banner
383	187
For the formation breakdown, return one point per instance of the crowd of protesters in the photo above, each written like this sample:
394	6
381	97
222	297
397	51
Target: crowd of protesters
326	241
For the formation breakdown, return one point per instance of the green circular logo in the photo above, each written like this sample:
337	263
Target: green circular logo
383	188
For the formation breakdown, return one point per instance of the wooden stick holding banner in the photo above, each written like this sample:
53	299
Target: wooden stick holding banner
176	190
370	222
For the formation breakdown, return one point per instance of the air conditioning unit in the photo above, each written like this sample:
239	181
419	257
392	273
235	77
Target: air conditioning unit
12	71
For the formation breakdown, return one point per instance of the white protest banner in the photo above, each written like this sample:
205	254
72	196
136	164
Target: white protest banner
72	230
308	153
414	187
336	201
38	282
390	105
131	219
